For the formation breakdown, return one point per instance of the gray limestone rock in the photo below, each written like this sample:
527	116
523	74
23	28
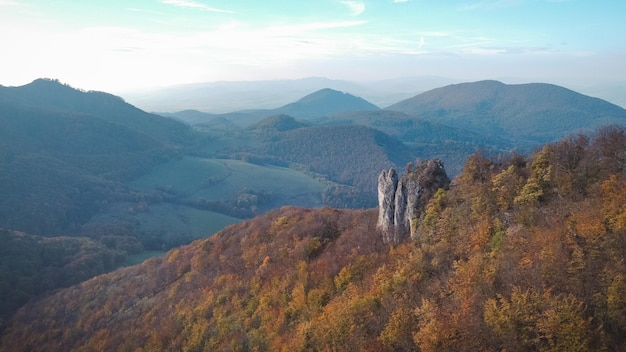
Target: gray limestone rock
387	183
401	201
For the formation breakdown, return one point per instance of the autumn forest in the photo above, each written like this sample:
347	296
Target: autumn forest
519	253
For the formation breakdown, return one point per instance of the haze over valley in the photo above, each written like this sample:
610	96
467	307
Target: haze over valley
228	96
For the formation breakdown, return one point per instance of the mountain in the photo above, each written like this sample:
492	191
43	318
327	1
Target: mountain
67	132
226	96
453	121
526	114
520	253
318	104
325	102
60	165
53	96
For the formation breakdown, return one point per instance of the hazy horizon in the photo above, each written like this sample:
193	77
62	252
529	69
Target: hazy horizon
119	46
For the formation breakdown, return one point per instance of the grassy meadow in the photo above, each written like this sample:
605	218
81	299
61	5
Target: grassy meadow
225	179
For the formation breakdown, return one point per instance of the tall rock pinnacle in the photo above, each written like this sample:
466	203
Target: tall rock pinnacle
402	201
387	184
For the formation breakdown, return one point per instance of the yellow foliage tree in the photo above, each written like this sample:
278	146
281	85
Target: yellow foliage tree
541	321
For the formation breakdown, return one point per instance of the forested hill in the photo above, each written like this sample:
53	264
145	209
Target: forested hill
524	113
31	266
520	253
325	102
348	155
46	95
64	154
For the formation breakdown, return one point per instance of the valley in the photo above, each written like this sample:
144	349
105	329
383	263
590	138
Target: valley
517	253
127	185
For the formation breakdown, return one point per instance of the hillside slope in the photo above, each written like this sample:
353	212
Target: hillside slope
524	113
348	155
519	254
53	96
427	138
65	153
31	266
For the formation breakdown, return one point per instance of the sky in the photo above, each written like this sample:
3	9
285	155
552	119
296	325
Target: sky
117	45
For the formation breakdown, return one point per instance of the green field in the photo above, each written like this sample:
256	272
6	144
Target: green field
224	179
167	223
234	189
186	175
183	220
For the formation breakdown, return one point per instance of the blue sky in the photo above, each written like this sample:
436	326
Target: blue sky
116	45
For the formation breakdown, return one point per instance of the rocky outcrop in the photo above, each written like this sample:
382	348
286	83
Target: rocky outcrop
387	184
401	201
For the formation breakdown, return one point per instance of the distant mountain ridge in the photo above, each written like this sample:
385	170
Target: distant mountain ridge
510	115
319	104
227	96
51	95
525	113
449	122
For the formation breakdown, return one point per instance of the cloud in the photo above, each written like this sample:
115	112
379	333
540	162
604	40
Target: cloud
194	5
135	9
276	43
436	34
399	1
421	43
314	26
8	3
489	4
356	7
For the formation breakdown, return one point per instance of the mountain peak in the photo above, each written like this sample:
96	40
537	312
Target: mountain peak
324	94
53	93
326	101
45	81
47	85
